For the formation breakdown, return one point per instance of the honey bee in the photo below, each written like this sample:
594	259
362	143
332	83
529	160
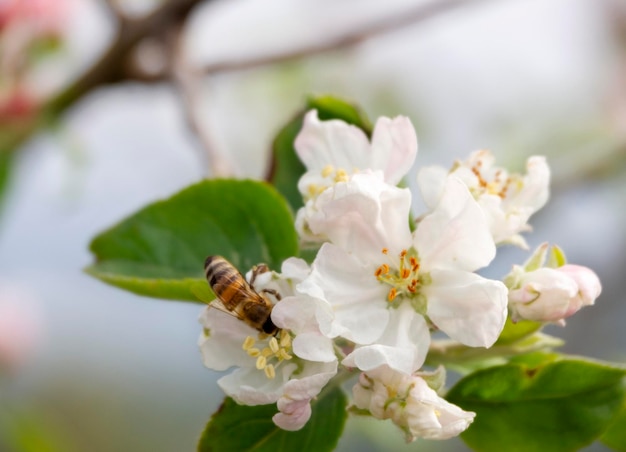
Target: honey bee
237	296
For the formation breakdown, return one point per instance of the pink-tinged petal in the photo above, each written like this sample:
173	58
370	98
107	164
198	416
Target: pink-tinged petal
356	297
402	347
455	235
294	404
293	415
431	181
364	215
589	287
222	339
394	147
334	142
467	307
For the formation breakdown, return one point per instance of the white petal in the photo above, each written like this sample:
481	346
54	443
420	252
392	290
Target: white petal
432	417
394	147
334	142
536	189
431	182
221	343
314	347
356	297
364	215
295	269
249	386
402	347
455	235
467	307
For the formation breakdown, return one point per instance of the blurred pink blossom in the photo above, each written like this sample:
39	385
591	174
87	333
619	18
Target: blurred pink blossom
20	328
44	16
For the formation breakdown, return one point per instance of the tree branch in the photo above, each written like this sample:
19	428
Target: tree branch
351	38
189	83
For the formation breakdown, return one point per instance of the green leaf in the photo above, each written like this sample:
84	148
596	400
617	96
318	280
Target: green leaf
286	167
559	406
329	107
250	428
513	332
160	250
615	436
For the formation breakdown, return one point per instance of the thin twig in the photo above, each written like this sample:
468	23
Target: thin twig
351	38
106	70
189	83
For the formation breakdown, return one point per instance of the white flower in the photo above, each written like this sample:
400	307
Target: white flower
547	294
508	200
332	151
386	286
410	403
290	368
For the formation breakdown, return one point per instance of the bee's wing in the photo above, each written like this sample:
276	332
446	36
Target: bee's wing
217	304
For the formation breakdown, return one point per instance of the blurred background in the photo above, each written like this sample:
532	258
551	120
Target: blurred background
106	106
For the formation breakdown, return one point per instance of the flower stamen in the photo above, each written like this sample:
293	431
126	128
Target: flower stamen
270	357
403	276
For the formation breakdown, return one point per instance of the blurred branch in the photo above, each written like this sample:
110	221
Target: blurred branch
107	70
110	68
189	83
405	18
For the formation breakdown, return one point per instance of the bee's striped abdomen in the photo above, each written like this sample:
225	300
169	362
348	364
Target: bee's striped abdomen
237	296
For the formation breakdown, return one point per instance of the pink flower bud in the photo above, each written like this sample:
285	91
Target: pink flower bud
553	294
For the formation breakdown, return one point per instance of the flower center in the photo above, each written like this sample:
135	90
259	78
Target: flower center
490	182
404	277
270	353
330	176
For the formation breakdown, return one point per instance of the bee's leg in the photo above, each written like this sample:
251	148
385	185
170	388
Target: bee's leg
272	292
257	270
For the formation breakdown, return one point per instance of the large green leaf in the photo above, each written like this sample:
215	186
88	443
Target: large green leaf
286	167
559	406
615	436
250	428
160	250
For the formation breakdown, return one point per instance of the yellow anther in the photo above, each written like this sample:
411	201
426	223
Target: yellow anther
248	343
341	176
382	270
328	170
405	273
385	250
285	339
313	190
254	352
282	354
274	345
261	362
392	294
270	372
267	352
403	254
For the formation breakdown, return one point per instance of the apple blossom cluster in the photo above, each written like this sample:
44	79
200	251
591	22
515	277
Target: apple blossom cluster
381	283
26	28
